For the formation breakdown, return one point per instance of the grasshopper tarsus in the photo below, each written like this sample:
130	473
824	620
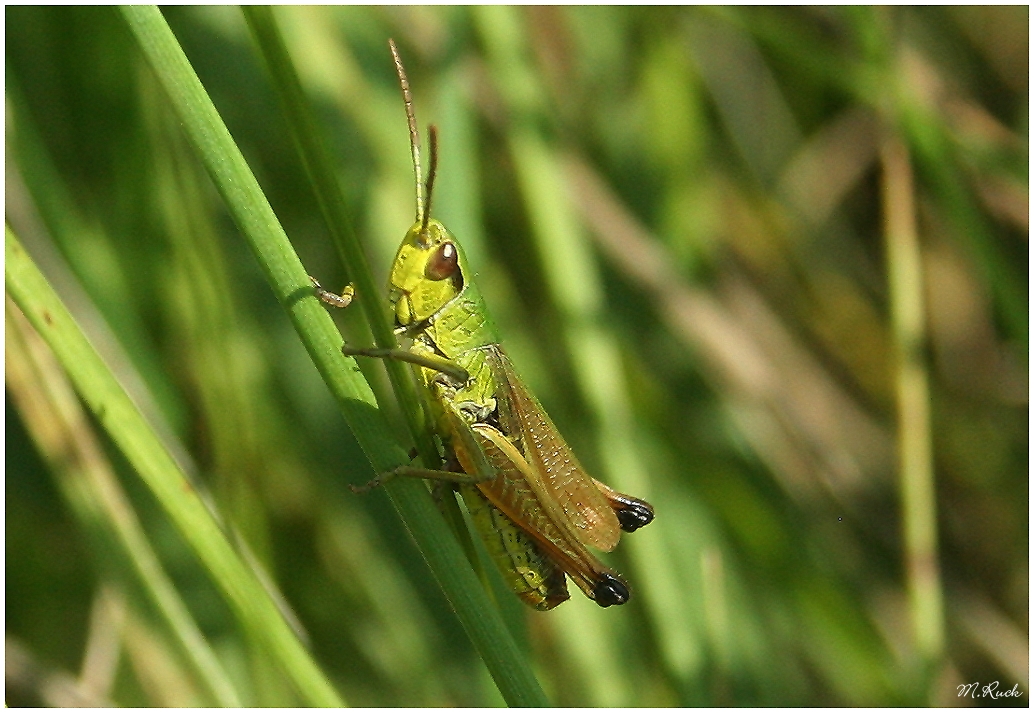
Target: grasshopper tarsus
331	298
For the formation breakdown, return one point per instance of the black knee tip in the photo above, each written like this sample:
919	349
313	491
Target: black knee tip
610	591
635	516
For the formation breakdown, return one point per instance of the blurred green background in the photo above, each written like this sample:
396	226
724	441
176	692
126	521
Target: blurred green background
683	223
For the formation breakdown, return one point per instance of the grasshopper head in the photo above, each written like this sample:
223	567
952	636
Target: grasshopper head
427	273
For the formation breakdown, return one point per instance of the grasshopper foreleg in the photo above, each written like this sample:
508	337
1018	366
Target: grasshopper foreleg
440	364
331	298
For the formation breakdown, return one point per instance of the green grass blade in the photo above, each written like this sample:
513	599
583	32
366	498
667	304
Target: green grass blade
289	281
106	398
915	447
87	480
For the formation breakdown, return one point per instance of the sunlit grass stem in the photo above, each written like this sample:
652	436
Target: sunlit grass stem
915	449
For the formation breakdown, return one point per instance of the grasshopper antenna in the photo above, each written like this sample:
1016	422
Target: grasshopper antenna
432	171
414	135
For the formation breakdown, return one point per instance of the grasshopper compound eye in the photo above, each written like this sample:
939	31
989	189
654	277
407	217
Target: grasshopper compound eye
443	264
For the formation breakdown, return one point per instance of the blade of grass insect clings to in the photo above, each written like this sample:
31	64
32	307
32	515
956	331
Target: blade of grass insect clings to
575	288
55	419
290	283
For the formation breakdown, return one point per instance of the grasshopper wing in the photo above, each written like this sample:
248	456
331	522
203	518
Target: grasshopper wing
518	491
588	510
534	576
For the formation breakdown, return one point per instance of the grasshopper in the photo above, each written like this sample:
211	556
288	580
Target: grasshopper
535	508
